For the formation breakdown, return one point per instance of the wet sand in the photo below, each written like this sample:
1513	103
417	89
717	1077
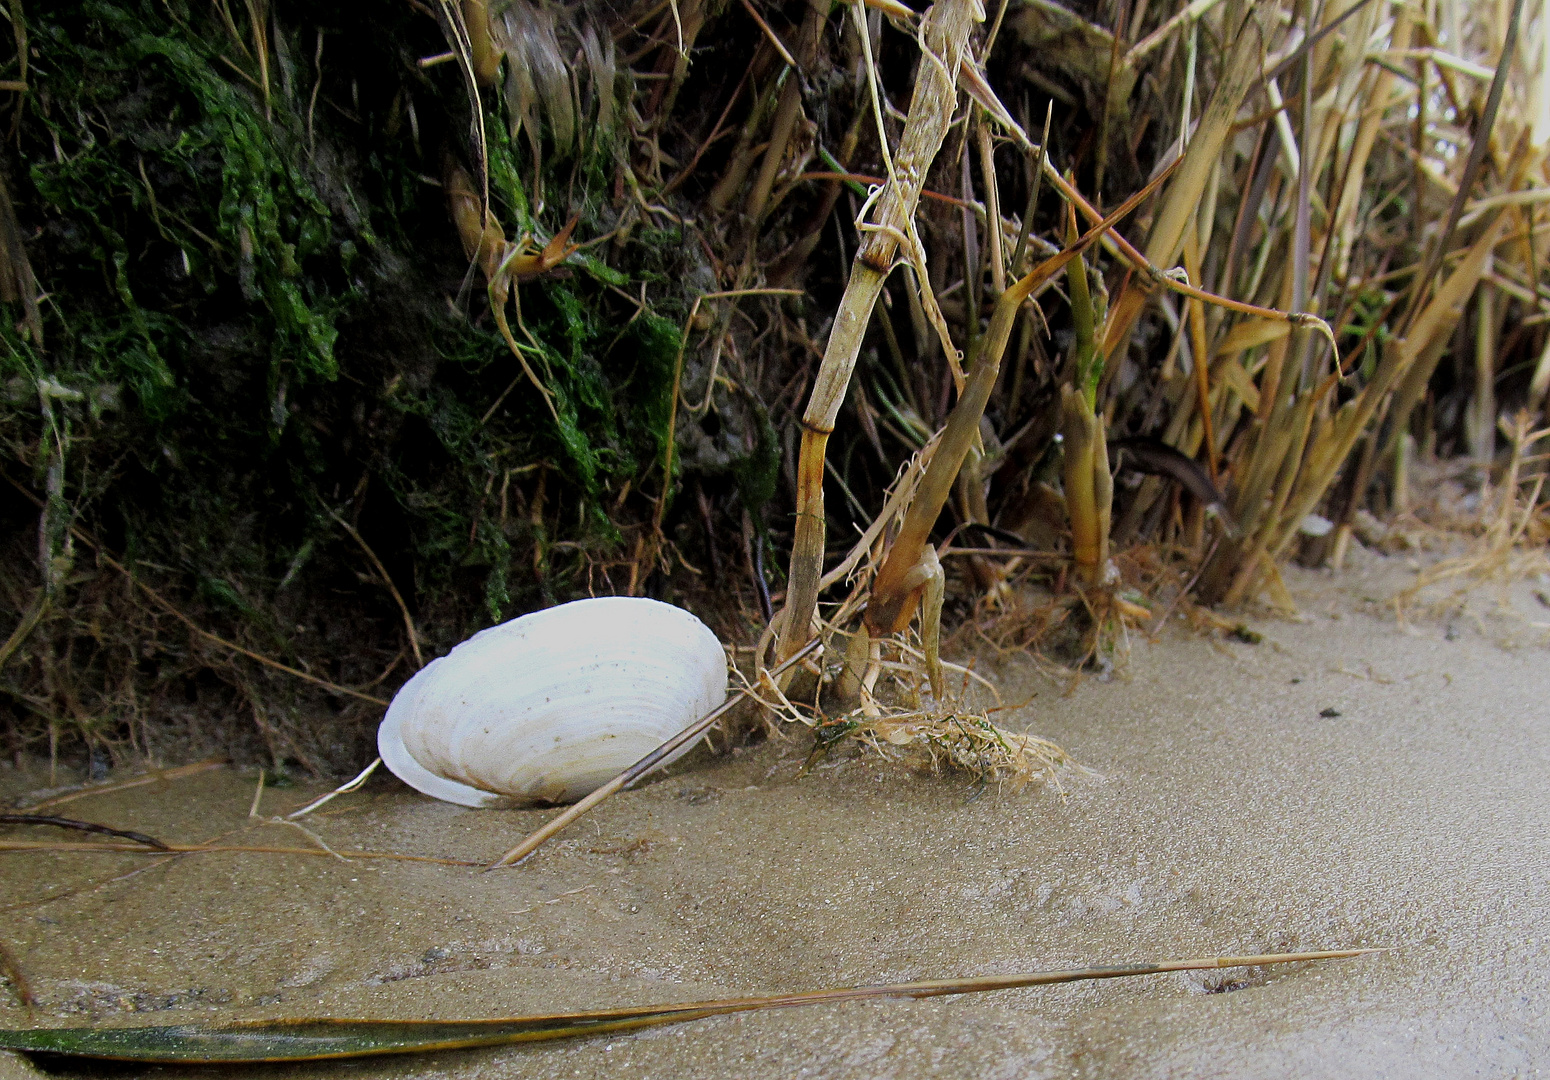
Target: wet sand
1346	782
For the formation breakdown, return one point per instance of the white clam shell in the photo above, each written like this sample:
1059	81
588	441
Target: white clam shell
553	705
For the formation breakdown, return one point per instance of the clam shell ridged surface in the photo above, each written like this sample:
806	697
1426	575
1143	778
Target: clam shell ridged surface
551	706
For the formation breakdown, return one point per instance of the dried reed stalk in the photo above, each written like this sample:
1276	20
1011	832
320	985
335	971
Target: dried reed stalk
944	35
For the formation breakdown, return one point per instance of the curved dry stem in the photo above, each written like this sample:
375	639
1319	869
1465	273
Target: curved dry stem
895	593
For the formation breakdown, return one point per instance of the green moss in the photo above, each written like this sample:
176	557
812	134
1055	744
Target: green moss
239	199
260	318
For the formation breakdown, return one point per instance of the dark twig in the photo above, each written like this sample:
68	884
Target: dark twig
82	826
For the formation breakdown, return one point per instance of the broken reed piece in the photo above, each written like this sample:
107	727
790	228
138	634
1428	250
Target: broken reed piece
153	777
1089	486
645	765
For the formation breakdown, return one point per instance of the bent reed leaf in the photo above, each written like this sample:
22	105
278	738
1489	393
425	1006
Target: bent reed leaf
321	1039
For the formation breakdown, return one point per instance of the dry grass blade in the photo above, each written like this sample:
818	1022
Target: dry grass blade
862	178
456	30
328	1038
1240	70
900	496
156	776
1336	440
17	283
215	639
403	608
28	623
1507	548
484	242
670	443
1149	270
343	789
1479	146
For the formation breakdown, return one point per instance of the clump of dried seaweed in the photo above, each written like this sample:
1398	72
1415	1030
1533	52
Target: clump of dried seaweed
954	737
898	717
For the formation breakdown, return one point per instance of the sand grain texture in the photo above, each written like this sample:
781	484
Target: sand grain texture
1230	817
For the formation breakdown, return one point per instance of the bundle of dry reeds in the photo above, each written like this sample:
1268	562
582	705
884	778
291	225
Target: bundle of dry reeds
1353	186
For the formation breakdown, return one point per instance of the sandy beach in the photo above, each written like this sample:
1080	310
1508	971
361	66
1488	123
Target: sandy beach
1345	782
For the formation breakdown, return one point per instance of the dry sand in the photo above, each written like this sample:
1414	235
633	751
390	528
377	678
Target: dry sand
1230	817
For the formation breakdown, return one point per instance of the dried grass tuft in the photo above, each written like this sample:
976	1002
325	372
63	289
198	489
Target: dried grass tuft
1510	532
